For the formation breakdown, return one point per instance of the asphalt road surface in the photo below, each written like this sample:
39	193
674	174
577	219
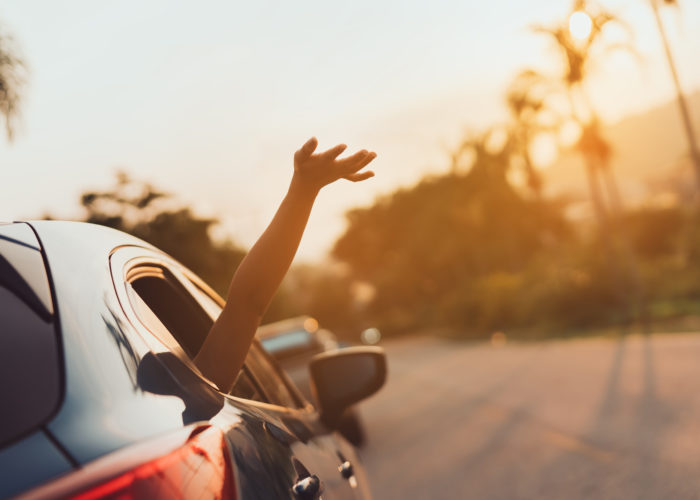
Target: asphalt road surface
590	418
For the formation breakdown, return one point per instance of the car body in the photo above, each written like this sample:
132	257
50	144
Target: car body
101	397
294	343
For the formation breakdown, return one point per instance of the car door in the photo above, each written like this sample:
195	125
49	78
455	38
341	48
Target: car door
277	440
315	450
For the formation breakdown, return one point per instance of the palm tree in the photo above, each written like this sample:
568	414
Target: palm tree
530	115
685	114
508	145
12	79
596	151
476	150
577	55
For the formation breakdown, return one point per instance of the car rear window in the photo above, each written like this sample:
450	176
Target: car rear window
30	365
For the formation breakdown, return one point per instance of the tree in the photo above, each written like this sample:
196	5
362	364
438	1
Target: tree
12	79
140	209
578	50
682	104
578	56
144	211
426	249
530	115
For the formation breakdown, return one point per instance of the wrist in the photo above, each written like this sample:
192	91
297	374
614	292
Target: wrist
302	187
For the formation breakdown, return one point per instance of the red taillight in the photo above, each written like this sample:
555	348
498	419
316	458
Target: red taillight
199	469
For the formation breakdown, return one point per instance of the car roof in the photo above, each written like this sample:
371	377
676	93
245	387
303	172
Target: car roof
83	237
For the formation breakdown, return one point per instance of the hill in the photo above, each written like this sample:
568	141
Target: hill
650	157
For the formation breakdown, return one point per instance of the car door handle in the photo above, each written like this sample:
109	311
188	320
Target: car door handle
308	488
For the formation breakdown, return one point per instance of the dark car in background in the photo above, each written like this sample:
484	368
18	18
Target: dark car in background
101	398
294	343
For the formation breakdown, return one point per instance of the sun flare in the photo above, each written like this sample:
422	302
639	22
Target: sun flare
580	25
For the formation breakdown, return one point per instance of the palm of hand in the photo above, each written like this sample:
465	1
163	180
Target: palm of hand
323	168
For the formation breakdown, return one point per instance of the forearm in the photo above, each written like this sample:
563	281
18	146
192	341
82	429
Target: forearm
253	286
262	270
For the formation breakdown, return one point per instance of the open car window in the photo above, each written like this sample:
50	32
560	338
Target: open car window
260	368
272	383
246	387
168	300
179	313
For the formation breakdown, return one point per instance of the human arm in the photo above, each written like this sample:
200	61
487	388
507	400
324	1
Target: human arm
260	273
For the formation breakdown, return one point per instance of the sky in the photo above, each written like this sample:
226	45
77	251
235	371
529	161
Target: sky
210	99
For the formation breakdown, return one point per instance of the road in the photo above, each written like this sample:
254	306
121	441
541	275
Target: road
573	419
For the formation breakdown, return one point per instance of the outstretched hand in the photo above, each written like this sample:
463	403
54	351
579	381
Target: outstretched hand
317	170
259	275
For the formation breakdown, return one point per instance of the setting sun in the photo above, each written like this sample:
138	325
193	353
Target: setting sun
580	25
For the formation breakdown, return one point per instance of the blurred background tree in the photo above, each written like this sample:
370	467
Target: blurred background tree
12	82
431	252
472	252
580	42
530	115
140	209
481	248
680	97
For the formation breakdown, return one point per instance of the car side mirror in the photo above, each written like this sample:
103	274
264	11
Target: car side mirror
342	377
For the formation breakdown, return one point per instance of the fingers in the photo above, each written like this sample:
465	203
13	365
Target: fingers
306	150
352	159
327	165
334	152
366	160
357	161
359	176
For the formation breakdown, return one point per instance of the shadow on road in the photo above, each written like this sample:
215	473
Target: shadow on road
619	455
579	419
428	421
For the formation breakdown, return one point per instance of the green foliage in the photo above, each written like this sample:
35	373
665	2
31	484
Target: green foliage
453	250
655	233
470	253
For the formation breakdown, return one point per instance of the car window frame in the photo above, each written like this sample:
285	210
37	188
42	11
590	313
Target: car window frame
124	259
203	291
